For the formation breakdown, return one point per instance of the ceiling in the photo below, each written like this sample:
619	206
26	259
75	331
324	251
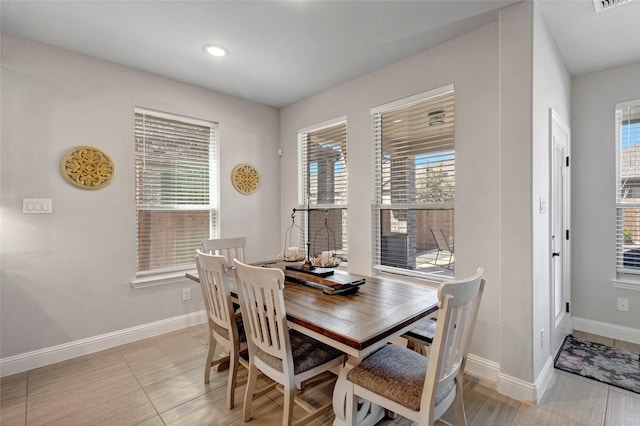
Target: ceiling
283	51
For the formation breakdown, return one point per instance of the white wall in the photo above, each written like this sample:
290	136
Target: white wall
594	97
470	62
515	233
551	89
66	276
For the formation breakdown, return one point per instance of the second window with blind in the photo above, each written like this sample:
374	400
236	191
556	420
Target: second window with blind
176	189
322	188
628	190
414	184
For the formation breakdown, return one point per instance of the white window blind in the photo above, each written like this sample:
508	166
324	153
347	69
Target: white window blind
628	188
176	189
414	182
322	186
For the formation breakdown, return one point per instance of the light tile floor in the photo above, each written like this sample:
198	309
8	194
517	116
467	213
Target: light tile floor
159	381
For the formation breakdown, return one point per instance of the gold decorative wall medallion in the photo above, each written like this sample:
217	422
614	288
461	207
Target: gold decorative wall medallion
245	178
87	167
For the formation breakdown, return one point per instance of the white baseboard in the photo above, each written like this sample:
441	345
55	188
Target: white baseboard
41	357
612	331
482	368
507	385
545	379
517	388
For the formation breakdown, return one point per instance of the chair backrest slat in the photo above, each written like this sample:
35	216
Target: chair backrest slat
460	319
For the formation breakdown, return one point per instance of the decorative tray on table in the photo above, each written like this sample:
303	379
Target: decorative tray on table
331	284
318	272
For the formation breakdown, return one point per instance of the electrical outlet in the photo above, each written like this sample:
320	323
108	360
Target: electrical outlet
186	294
623	304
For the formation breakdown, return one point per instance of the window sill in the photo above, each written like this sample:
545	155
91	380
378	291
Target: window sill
166	278
410	277
626	284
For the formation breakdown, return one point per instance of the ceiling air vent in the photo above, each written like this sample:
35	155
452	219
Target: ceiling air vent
602	5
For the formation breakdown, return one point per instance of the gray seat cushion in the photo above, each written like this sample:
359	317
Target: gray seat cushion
424	330
398	374
307	353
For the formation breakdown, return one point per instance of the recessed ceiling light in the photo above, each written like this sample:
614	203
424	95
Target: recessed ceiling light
215	50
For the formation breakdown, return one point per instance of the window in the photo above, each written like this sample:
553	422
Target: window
176	190
414	183
628	188
322	187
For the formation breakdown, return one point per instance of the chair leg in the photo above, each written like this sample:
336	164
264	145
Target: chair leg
425	350
420	348
231	382
411	345
458	406
287	417
248	396
210	353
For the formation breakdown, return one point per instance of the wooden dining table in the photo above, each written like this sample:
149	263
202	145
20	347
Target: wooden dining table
358	324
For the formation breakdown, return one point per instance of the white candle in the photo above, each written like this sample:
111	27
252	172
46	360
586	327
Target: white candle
292	252
326	255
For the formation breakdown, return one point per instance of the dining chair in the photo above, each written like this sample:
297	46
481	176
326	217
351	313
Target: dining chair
230	248
225	326
414	386
286	356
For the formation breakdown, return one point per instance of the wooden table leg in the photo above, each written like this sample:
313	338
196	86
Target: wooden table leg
368	414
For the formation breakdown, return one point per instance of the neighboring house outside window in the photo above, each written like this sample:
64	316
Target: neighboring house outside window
414	184
322	187
628	189
176	192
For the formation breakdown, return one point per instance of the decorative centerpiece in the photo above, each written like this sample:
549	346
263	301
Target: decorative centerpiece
292	253
325	260
311	259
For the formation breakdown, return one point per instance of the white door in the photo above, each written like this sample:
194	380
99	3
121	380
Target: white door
560	235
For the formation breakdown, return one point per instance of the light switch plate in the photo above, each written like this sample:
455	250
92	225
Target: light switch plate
543	205
36	205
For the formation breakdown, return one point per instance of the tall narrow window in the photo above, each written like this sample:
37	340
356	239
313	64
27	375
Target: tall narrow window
628	188
414	183
176	190
322	187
